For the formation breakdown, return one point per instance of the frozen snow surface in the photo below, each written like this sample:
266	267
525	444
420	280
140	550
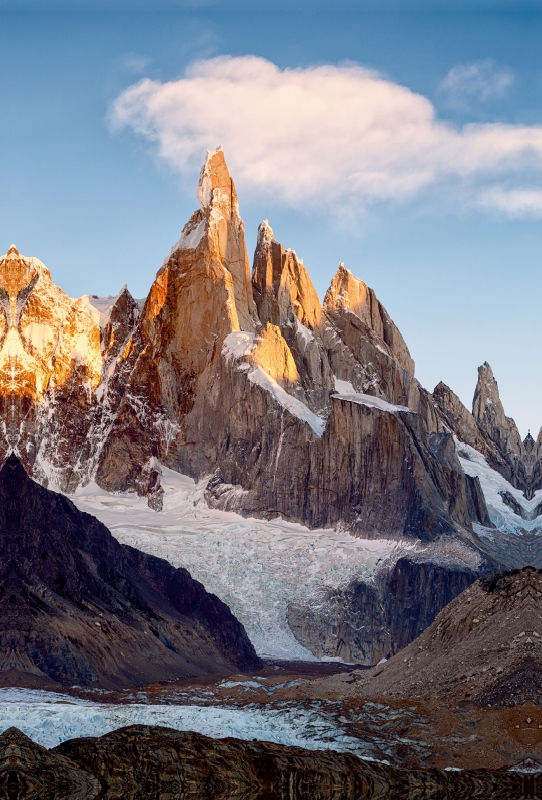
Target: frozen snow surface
50	723
345	391
189	240
238	344
255	566
494	486
99	308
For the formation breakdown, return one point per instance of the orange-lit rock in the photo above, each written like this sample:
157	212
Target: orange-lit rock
348	292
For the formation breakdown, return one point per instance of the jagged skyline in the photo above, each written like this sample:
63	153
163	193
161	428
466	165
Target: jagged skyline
101	208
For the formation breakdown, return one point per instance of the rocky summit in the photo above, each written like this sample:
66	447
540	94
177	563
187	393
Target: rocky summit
77	607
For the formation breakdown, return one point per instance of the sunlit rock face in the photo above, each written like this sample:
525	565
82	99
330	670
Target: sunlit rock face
50	356
282	404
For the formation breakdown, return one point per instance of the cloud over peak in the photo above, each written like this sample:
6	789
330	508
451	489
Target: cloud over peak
324	135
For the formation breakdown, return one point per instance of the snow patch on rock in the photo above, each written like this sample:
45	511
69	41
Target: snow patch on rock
493	486
99	308
291	404
238	344
345	391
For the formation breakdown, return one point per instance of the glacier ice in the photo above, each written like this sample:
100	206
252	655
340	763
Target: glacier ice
253	565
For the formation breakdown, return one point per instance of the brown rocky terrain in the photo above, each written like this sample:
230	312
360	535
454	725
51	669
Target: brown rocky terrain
78	607
139	762
485	647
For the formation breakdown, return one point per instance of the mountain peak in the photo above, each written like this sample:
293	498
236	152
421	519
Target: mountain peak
347	292
214	175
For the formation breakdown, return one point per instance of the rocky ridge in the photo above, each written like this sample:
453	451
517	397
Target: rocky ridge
141	762
489	431
485	646
77	607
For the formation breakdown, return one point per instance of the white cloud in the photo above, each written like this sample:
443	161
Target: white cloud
512	202
134	63
322	135
478	81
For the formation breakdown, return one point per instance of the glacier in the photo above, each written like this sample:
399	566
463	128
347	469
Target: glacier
253	565
49	719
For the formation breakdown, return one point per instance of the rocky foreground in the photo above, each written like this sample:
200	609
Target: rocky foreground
139	763
485	646
77	607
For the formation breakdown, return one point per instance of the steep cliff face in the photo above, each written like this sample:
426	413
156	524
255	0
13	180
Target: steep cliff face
201	294
501	430
326	472
365	622
285	296
348	294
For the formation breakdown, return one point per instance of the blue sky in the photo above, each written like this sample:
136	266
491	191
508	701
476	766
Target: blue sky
454	252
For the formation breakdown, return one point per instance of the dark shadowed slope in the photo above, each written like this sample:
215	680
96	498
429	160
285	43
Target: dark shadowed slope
77	607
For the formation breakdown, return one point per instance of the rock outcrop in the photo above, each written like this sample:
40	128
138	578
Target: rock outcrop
501	430
30	771
485	646
348	294
78	607
140	762
362	622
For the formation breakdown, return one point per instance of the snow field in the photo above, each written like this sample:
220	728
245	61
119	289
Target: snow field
255	566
